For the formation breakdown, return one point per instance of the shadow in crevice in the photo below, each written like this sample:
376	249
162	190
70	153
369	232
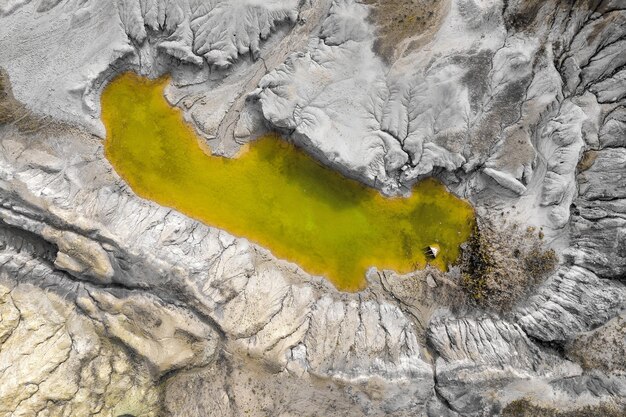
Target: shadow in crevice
21	240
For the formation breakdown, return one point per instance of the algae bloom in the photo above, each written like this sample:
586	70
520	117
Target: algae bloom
276	195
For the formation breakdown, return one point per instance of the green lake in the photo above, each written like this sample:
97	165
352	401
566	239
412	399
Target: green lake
276	195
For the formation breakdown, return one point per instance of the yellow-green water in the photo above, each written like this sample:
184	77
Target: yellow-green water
276	195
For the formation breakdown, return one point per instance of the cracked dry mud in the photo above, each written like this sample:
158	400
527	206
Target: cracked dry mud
111	305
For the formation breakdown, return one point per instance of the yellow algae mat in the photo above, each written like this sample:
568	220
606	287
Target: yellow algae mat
276	195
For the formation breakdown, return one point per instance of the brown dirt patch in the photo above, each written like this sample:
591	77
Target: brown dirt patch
14	112
524	408
587	160
522	15
602	349
398	20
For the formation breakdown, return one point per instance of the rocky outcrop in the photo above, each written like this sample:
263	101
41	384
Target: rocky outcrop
53	358
599	226
493	357
573	300
601	348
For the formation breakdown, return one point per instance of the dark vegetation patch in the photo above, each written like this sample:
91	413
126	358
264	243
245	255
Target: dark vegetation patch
502	263
524	408
398	20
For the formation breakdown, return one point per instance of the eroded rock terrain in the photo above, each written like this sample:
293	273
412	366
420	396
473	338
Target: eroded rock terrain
111	305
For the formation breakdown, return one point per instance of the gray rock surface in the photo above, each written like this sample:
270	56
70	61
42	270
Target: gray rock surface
111	305
572	300
495	358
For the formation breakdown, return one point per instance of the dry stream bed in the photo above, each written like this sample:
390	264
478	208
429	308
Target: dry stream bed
276	195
